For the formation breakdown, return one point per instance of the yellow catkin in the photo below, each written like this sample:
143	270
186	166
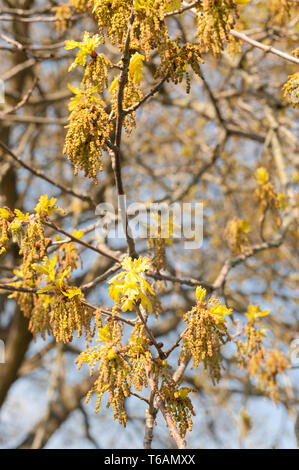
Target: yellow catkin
113	369
87	133
215	19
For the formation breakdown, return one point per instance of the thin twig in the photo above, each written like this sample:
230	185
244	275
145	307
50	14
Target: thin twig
184	8
264	47
146	97
240	35
40	174
150	334
36	19
106	253
24	100
114	150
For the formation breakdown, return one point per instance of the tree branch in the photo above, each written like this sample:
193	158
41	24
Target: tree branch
41	175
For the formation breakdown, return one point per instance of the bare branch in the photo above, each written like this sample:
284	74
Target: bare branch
40	174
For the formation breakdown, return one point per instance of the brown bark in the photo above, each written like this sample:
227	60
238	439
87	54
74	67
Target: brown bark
18	337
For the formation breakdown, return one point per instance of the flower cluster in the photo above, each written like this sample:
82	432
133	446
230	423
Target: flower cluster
119	367
175	397
8	221
159	237
63	13
47	206
139	356
291	89
179	405
28	231
69	314
87	132
266	194
263	364
86	48
205	333
81	5
279	10
132	93
114	18
174	61
252	351
67	255
90	126
96	73
235	232
55	306
67	310
38	309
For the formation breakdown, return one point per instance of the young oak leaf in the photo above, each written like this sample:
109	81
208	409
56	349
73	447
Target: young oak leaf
47	206
136	67
129	286
254	312
114	86
86	47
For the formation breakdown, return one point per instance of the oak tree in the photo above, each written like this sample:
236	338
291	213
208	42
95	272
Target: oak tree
165	104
